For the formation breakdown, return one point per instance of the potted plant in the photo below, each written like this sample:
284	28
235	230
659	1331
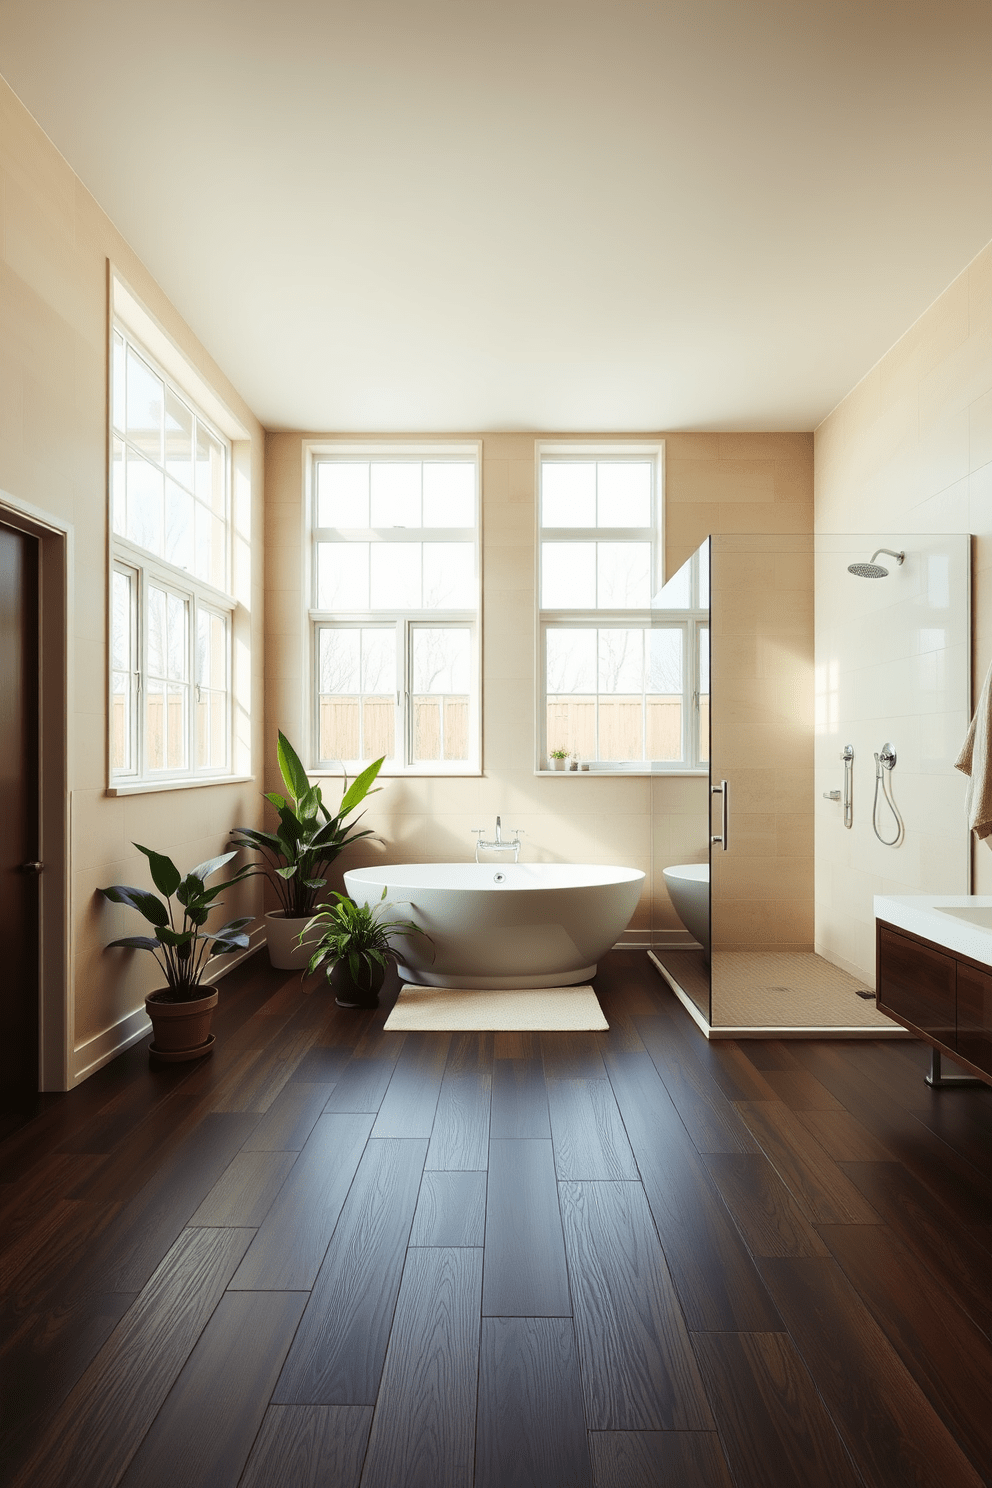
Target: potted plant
557	758
295	857
355	945
181	1011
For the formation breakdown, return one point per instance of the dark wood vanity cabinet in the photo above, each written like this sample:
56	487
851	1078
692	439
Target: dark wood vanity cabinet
945	997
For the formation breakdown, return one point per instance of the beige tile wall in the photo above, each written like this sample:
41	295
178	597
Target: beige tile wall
714	482
56	243
909	450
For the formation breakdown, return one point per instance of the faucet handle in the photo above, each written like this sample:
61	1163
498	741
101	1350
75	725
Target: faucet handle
517	831
477	830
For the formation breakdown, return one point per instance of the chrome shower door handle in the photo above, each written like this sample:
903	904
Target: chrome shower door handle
723	789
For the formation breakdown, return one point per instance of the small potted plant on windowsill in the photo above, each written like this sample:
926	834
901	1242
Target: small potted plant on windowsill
294	858
354	944
182	1010
557	759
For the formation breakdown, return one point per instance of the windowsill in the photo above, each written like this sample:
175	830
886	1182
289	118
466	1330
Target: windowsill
696	772
146	787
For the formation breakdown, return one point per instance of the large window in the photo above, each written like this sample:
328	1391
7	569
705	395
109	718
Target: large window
625	657
170	672
394	608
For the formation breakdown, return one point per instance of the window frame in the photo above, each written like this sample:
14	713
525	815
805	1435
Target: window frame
404	620
691	620
148	569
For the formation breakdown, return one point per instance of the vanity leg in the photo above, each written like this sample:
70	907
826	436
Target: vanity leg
943	1082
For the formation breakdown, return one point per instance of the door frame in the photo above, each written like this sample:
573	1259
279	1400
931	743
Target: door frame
55	951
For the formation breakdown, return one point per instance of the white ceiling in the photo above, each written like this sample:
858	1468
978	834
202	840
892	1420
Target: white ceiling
564	214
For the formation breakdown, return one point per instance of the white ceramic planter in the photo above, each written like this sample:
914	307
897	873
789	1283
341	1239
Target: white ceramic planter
557	764
282	937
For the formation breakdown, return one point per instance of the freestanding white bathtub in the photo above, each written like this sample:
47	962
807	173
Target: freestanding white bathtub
688	886
503	924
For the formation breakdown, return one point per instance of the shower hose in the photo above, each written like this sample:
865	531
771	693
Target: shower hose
884	765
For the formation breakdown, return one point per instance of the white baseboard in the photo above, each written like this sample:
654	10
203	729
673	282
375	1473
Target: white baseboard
105	1046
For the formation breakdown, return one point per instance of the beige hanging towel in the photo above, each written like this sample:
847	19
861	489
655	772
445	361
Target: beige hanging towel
975	760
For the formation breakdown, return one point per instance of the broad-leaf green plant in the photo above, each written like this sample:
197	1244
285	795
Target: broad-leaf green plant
294	858
180	944
356	936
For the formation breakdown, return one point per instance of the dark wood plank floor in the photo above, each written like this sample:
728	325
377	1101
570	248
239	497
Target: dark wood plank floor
332	1255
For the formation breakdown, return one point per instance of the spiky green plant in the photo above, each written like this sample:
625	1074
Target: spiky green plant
180	945
294	858
355	935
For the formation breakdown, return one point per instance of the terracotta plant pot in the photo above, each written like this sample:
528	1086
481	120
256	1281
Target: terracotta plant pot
282	935
351	994
181	1030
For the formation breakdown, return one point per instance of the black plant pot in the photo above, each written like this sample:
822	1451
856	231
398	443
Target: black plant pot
364	993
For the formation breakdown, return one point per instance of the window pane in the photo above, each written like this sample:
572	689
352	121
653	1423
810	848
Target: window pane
176	727
176	620
378	673
703	559
339	661
449	494
395	576
156	637
664	661
178	440
395	491
568	493
217	572
144	503
122	681
120	723
449	576
145	393
621	661
120	643
210	482
155	724
211	650
118	490
624	494
117	377
441	672
571	661
568	576
704	693
343	493
624	575
441	659
342	576
178	526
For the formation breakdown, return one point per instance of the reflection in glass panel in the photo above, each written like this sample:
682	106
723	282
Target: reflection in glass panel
677	593
664	688
703	563
568	576
441	673
342	576
449	576
449	494
144	503
624	493
178	440
568	493
395	493
394	580
704	693
343	493
145	393
623	576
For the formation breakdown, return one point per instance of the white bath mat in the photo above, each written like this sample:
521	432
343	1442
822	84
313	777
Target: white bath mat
452	1010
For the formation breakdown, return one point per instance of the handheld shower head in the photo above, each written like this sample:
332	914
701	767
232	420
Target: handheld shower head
874	570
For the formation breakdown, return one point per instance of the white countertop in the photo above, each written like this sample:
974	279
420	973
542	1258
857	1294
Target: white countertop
924	914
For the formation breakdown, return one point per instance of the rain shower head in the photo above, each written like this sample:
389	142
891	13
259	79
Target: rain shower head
874	570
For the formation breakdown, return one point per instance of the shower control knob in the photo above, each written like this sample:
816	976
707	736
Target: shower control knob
831	795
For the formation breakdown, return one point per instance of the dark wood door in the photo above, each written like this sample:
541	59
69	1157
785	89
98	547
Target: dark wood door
918	985
19	822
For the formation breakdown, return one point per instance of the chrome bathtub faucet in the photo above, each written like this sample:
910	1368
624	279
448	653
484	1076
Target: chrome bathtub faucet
498	845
